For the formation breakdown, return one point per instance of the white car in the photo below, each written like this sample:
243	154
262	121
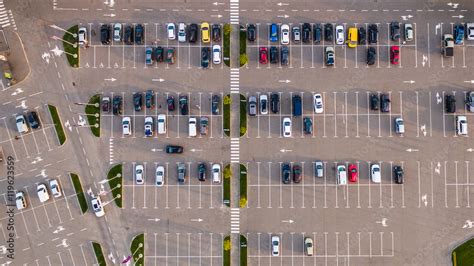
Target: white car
318	103
171	29
160	176
82	37
341	175
285	34
216	173
461	125
182	32
399	125
20	200
126	126
148	126
43	193
162	124
308	246
117	32
470	31
375	173
340	34
139	174
97	206
55	188
286	125
21	125
216	54
275	246
408	32
263	104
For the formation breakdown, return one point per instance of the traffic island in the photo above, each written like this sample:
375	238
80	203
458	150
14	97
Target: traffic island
243	115
226	250
227	176
227	31
227	103
243	250
243	186
71	48
99	254
463	255
243	46
57	124
81	198
93	114
138	249
115	183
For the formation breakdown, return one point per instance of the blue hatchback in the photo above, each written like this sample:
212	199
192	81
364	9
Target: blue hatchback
459	34
273	33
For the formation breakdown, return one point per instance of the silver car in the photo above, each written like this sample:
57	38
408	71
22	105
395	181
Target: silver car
252	106
318	169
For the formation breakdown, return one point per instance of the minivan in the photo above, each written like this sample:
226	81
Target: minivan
297	108
192	129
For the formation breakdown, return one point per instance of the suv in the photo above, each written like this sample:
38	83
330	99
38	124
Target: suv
285	56
308	125
181	173
461	125
149	99
105	34
317	33
202	169
384	103
170	103
170	55
275	102
450	103
371	55
399	125
263	104
106	104
362	35
296	34
394	31
33	120
215	104
398	174
20	200
408	32
306	32
286	173
297	106
128	35
373	33
273	55
117	105
216	32
375	173
159	51
193	32
251	33
174	149
183	104
374	102
139	34
297	173
137	101
328	31
252	106
318	169
470	101
205	53
117	32
21	125
330	58
97	206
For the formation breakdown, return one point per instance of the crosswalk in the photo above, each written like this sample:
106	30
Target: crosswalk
234	80
4	16
234	150
234	11
235	220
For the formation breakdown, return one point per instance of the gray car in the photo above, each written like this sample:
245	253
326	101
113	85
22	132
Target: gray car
470	101
318	169
181	173
252	106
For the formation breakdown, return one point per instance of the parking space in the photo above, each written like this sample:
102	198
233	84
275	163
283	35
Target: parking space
121	55
191	194
82	254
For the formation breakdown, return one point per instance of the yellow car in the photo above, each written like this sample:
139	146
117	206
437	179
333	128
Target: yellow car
205	32
352	37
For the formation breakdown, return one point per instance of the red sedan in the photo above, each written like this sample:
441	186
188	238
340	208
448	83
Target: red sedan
394	55
352	173
263	55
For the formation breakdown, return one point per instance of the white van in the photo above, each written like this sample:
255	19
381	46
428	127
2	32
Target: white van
341	175
161	124
192	128
461	125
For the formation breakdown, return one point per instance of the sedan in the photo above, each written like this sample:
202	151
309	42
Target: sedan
205	53
318	103
160	176
139	174
297	173
374	102
306	32
308	246
117	105
159	51
285	34
161	124
105	34
395	31
171	29
328	32
384	102
183	104
193	32
285	53
373	33
296	34
170	55
33	120
126	126
398	174
205	32
352	173
117	32
216	54
251	33
307	125
139	34
137	101
202	169
148	126
216	100
275	102
318	169
275	246
43	193
55	188
286	127
375	173
263	55
286	173
263	104
149	99
252	106
273	55
21	125
182	32
330	58
371	55
362	35
216	173
97	206
340	38
82	37
174	149
106	104
170	103
216	32
394	54
148	56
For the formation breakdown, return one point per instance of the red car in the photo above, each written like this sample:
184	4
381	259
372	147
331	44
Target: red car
352	173
263	55
394	54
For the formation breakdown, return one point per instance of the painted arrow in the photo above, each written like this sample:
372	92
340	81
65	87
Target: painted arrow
160	80
409	81
109	15
411	150
470	150
283	16
459	16
283	4
110	79
469	81
155	150
216	16
197	220
217	3
284	150
154	219
288	221
284	81
195	150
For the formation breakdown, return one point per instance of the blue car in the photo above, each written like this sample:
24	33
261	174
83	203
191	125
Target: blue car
148	55
459	34
273	33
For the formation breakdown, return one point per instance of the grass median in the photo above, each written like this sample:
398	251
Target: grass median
243	115
226	247
463	255
243	186
99	254
243	250
93	114
227	32
81	197
138	249
227	103
115	182
71	47
227	176
243	46
57	124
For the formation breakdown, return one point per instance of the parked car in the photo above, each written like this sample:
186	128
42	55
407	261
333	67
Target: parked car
159	51
181	169
97	206
117	105
171	30
328	32
296	34
216	173
341	178
408	32
286	173
286	127
352	37
105	34
398	174
106	104
362	35
375	173
139	174
297	106
20	200
285	34
296	173
159	176
307	125
139	34
384	102
170	55
461	125
330	57
470	31
192	127
202	169
43	193
308	246
216	32
251	32
138	101
275	245
128	35
470	101
170	103
82	37
117	32
55	188
306	32
352	173
215	104
205	32
205	54
263	55
274	55
394	54
459	33
21	124
394	31
318	169
126	126
273	32
183	104
374	102
193	32
216	54
285	59
149	56
275	102
318	103
340	32
252	106
149	99
317	33
182	32
399	126
263	102
174	149
148	126
203	125
371	55
450	103
373	33
161	121
33	120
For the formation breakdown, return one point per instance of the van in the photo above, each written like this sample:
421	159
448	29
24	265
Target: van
20	200
341	175
461	125
192	127
352	37
297	108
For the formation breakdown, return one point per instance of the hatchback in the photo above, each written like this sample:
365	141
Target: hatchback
352	173
263	55
171	30
205	32
286	173
394	55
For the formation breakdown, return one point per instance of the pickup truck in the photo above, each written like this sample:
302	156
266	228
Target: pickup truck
448	45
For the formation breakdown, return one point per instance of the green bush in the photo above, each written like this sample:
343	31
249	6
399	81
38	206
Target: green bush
98	254
243	250
81	198
115	182
243	115
227	102
243	186
226	246
226	44
57	124
138	249
70	50
463	255
93	109
243	47
227	176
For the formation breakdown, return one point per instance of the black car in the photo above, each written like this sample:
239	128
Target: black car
193	33
183	104
149	99
362	35
398	174
105	34
205	53
450	103
216	32
374	102
170	103
106	104
373	33
306	32
137	101
273	55
384	102
284	56
286	173
371	55
117	105
394	31
174	149
128	35
216	100
251	33
275	102
139	34
202	169
33	120
317	33
308	125
159	54
328	32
